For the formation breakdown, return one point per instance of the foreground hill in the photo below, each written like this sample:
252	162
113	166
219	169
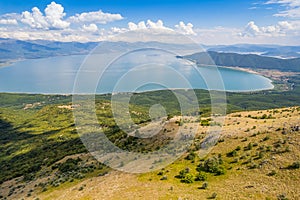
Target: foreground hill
256	157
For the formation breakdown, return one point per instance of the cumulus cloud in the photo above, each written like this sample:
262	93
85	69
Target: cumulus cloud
132	26
54	15
8	21
186	29
53	18
159	25
251	29
95	17
90	28
279	29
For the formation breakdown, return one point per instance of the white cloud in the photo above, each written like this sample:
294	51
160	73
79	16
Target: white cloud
251	29
53	18
8	21
291	8
279	29
116	30
35	19
90	28
291	3
186	29
54	15
157	26
95	17
132	26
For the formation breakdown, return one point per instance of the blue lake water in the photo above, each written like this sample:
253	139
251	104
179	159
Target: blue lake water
57	75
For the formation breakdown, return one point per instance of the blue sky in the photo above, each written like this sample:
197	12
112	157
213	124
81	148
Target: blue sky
204	13
269	21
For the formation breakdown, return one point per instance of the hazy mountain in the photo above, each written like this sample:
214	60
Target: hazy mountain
11	49
264	50
245	60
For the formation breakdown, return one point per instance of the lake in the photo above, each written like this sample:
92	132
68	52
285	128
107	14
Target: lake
57	75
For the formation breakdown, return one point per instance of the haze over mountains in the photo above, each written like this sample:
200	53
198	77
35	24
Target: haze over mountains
242	55
263	50
246	61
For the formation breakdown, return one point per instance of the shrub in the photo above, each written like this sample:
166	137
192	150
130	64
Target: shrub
182	173
272	173
201	176
238	148
188	178
282	197
212	165
204	186
295	165
266	138
248	147
221	171
213	196
191	156
160	173
232	153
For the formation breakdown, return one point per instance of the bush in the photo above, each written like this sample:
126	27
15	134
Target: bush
188	178
213	196
238	148
191	156
201	176
221	171
295	165
282	197
212	165
183	172
248	147
232	153
272	173
266	138
204	186
160	173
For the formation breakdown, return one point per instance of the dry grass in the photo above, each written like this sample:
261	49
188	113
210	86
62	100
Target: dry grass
239	182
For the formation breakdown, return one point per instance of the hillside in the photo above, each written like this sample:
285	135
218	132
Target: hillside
245	60
41	154
256	157
11	49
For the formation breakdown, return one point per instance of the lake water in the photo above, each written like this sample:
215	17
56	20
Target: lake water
57	75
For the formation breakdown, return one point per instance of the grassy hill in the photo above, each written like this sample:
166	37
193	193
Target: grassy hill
256	157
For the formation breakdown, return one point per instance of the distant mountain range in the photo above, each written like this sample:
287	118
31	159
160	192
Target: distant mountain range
243	55
244	60
11	49
263	50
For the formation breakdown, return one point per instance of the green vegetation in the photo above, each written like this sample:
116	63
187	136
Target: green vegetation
36	136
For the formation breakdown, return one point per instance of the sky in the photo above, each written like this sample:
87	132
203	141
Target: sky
211	22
